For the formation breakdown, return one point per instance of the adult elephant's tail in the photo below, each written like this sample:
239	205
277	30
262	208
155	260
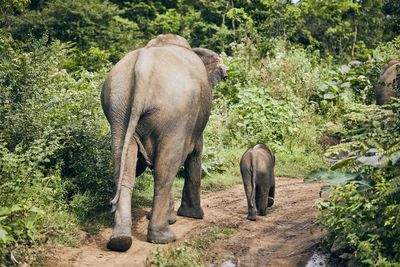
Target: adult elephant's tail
131	143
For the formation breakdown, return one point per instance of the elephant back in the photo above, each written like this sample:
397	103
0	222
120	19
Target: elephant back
388	80
168	39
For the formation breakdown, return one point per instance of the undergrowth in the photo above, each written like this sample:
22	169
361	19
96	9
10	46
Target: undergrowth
190	252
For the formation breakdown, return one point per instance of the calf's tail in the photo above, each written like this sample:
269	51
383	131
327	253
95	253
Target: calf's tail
253	180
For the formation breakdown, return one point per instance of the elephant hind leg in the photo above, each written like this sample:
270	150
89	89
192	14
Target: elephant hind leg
271	196
166	166
121	238
190	204
248	187
172	216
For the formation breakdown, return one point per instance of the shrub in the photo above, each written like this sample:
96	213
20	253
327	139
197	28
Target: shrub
260	118
87	24
54	142
30	193
361	214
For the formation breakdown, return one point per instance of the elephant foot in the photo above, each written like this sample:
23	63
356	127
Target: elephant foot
195	213
252	215
163	236
262	212
119	243
270	201
171	218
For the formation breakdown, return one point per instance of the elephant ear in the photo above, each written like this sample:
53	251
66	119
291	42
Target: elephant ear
214	64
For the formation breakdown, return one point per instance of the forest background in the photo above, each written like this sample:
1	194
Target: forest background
301	79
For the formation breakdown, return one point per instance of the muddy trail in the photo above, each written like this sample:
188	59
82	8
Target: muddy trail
287	236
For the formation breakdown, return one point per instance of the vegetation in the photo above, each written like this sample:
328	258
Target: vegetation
361	214
287	88
188	253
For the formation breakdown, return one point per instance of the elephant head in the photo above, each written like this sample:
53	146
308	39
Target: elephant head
215	67
389	64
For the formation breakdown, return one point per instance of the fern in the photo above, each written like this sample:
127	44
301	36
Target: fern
394	188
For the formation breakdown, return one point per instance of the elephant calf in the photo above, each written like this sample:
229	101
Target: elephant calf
257	169
388	80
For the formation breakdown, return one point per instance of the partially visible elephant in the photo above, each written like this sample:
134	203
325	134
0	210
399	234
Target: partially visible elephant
257	169
157	100
388	80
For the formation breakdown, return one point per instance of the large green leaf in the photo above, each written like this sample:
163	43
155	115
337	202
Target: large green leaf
334	177
3	235
343	163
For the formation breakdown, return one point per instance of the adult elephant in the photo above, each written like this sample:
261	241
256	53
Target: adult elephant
157	100
388	80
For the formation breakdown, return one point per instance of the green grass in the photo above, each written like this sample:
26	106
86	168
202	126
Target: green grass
191	252
295	164
300	153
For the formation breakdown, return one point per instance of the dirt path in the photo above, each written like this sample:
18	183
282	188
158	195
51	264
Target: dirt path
285	237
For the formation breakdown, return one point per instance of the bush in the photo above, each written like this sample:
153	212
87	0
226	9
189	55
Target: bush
54	141
265	101
260	118
87	24
362	214
30	193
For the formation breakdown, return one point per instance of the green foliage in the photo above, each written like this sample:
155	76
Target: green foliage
363	180
361	214
85	23
300	152
265	102
55	161
343	87
392	11
259	118
334	28
347	88
364	217
54	144
32	209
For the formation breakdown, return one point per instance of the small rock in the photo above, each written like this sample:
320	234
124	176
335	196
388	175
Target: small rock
228	263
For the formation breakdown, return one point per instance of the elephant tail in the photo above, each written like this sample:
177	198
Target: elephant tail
253	179
131	142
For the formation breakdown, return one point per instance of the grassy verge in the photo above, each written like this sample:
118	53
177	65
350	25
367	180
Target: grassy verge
190	253
300	152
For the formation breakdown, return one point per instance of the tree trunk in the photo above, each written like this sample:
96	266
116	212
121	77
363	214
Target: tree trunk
353	48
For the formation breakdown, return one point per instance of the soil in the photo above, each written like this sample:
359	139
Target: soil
286	236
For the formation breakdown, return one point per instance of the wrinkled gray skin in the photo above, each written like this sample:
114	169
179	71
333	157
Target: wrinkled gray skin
257	169
157	100
387	81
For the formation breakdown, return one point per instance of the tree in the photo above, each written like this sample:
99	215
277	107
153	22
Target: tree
391	11
87	24
343	29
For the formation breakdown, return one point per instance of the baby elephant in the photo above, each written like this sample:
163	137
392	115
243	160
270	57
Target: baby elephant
257	169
